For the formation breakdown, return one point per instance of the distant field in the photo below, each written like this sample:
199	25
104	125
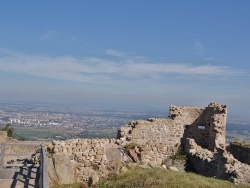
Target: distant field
35	132
30	132
234	131
99	133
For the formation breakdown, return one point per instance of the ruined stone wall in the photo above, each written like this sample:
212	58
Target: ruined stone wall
206	125
240	152
147	142
85	159
209	128
221	165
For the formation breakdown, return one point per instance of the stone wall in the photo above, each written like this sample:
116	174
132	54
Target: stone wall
146	142
87	159
240	152
206	125
220	165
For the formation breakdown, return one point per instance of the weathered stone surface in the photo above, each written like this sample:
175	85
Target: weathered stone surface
173	168
112	153
94	178
132	155
219	165
240	152
61	170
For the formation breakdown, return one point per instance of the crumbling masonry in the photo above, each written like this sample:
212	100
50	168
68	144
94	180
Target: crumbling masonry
201	131
207	126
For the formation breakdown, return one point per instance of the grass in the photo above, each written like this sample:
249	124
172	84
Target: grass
35	132
241	143
159	178
99	133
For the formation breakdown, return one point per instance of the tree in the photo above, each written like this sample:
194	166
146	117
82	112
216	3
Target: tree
10	130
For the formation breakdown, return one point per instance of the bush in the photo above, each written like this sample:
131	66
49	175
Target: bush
180	154
130	146
11	132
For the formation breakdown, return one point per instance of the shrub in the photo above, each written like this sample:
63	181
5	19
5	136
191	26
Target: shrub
180	154
130	146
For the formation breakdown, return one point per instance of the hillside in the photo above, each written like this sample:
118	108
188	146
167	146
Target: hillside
158	178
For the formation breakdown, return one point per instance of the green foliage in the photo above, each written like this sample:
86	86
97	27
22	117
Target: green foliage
11	132
130	146
180	154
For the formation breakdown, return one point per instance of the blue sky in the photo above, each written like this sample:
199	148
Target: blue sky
137	53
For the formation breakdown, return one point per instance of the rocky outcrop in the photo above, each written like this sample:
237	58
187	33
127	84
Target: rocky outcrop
240	151
221	165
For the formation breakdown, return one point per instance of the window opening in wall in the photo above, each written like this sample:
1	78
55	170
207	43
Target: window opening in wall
201	127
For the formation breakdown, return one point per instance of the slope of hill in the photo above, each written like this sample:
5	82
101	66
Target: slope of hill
158	178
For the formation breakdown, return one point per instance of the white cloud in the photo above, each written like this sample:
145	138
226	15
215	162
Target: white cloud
101	70
116	53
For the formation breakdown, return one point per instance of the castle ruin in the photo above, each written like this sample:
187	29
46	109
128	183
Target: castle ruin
200	131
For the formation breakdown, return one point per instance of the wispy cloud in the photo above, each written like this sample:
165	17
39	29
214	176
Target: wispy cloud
52	35
116	53
101	70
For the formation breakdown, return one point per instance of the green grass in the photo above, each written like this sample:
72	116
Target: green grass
99	133
158	178
241	143
39	132
35	132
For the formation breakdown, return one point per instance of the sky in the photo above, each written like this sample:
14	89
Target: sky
126	53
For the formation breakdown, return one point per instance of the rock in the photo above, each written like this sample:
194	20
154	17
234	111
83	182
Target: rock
132	155
123	169
61	170
173	168
93	179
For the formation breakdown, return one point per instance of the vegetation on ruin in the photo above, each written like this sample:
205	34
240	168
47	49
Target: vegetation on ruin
130	146
50	151
157	178
241	142
180	155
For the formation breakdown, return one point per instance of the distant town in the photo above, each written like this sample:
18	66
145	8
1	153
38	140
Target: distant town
47	122
62	122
